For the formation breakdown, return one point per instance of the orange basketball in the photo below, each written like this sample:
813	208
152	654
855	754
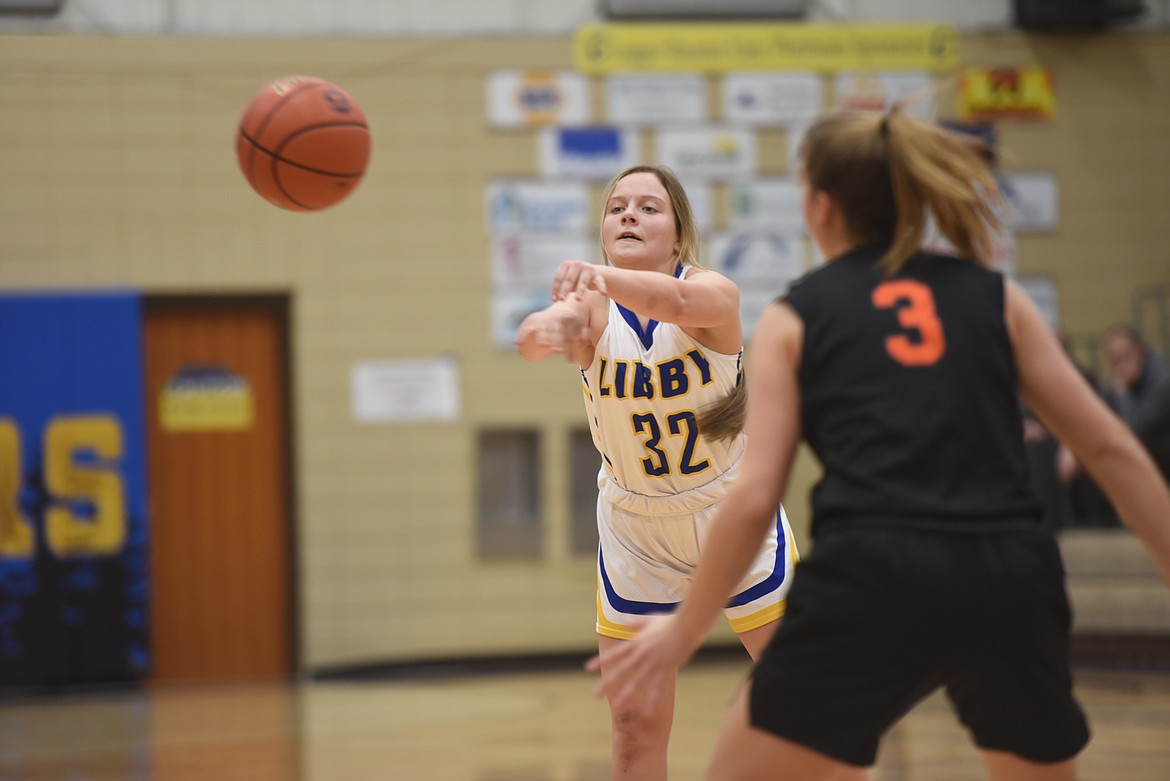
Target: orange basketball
303	143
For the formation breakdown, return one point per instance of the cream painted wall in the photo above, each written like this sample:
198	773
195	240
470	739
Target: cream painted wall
1106	148
119	171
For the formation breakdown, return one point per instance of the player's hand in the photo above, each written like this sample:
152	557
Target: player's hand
638	673
574	277
558	330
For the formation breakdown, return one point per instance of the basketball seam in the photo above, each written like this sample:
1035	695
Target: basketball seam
277	157
308	128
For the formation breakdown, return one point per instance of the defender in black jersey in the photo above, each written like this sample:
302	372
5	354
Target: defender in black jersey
929	564
903	370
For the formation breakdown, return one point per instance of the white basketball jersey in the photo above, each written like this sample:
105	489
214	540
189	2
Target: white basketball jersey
643	394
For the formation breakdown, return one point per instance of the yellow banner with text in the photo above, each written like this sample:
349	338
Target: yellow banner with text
720	47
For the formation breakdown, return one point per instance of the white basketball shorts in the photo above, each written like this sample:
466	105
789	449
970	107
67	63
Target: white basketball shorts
649	550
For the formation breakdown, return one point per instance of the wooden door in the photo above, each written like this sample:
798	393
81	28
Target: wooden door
220	523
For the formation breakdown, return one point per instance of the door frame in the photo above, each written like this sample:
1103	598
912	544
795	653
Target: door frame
279	304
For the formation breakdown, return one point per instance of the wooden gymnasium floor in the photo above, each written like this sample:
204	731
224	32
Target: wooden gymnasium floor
539	725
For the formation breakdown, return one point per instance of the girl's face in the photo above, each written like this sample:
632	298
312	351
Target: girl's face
638	230
1125	357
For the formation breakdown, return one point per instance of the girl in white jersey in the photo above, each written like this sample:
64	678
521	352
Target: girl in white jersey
659	343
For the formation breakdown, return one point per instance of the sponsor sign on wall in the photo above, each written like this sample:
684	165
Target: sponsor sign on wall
523	266
1033	200
994	94
702	198
1044	293
595	153
524	262
655	98
756	46
509	308
519	206
398	391
708	153
517	99
767	204
865	91
761	263
771	98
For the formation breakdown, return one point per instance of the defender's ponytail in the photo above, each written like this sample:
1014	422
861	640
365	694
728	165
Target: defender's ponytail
932	170
886	171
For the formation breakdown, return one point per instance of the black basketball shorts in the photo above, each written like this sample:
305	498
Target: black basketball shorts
879	618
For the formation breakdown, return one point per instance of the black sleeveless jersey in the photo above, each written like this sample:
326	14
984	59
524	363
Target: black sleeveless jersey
909	393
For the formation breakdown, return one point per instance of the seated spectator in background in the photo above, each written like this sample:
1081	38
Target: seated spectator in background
1138	390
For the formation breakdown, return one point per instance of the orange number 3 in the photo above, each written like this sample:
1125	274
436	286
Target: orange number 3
916	314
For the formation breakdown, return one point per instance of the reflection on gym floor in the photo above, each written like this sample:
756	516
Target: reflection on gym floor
535	726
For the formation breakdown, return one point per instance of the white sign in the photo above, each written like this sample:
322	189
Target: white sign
407	390
597	153
769	204
762	264
518	206
536	98
771	258
510	308
1033	200
708	153
752	303
654	98
771	98
527	262
702	198
1043	292
1003	247
879	91
795	138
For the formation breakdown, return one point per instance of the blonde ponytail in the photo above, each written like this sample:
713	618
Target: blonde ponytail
724	418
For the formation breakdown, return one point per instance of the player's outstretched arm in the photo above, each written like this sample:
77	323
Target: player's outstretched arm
705	299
